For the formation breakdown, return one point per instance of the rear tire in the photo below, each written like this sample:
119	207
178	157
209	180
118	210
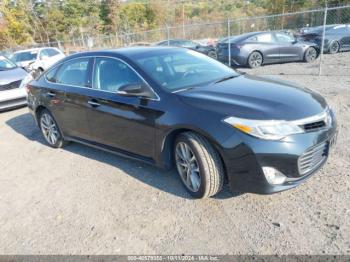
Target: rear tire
50	129
334	47
255	59
199	165
310	55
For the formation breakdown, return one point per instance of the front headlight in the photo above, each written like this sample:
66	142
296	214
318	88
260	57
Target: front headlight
264	129
26	80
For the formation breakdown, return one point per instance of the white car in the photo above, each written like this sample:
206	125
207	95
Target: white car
37	60
12	84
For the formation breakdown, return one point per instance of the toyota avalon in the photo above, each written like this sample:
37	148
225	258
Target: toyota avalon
172	106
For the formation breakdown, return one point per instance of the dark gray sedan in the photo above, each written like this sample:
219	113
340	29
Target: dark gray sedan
337	37
258	48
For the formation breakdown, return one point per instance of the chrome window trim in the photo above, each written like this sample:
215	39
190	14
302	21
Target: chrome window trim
93	68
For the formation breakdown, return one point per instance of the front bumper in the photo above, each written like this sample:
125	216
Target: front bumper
244	160
12	98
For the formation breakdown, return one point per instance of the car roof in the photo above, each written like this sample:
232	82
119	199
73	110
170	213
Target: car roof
128	52
33	49
242	36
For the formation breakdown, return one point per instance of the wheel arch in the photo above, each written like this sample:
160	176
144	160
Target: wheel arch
167	145
256	50
38	111
334	41
318	51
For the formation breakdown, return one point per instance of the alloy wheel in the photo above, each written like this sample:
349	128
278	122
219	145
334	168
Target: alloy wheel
49	129
311	55
334	48
255	60
187	166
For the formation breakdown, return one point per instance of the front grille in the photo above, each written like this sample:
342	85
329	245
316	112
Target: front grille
10	86
314	125
312	158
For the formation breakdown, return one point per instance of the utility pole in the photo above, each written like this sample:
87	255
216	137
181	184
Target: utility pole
323	37
183	20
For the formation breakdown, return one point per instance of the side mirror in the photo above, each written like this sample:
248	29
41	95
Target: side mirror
136	89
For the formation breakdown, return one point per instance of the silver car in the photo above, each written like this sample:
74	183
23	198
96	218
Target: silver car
260	48
12	84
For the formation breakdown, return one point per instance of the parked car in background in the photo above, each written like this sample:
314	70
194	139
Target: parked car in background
337	37
208	50
140	44
12	82
208	41
258	48
176	107
37	60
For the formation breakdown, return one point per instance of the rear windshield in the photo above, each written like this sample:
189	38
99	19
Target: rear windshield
25	56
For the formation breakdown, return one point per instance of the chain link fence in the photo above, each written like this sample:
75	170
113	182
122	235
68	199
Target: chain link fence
214	32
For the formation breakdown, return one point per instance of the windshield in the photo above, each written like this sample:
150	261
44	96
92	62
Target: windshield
6	64
25	56
177	69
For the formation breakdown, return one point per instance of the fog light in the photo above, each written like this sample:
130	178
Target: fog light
273	176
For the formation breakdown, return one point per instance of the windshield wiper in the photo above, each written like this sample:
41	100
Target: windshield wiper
225	78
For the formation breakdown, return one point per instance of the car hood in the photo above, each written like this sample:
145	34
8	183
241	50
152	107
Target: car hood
12	75
254	97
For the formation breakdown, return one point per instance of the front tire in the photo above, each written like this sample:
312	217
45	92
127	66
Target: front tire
310	55
334	47
50	129
199	165
255	59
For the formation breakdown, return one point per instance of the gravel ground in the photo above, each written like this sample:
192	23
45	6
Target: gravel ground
79	200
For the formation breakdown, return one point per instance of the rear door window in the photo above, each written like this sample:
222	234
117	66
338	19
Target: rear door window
265	38
284	38
52	52
74	72
44	53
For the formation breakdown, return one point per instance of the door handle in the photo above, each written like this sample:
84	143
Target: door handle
93	103
51	94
